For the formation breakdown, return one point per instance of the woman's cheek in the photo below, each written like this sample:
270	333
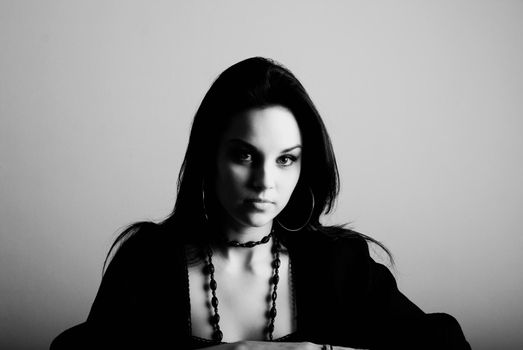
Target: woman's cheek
237	173
236	178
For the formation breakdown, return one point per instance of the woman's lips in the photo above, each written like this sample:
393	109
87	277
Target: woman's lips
259	204
259	200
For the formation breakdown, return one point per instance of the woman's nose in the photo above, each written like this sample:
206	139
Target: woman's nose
263	177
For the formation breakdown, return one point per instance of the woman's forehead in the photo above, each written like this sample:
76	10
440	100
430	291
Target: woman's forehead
269	127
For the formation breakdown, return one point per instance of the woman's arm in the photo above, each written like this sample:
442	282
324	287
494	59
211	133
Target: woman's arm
110	320
259	345
403	323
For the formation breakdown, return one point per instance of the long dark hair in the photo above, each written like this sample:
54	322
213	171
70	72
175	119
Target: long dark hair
252	83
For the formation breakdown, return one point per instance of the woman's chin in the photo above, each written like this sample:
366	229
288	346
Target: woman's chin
258	219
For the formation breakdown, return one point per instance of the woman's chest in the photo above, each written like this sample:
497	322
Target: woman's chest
244	303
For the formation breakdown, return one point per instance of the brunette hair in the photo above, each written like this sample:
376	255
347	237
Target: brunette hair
256	82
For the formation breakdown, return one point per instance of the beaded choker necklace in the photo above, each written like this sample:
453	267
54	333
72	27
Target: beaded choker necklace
250	244
215	318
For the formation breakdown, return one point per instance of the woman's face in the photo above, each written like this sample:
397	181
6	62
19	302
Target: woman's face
258	165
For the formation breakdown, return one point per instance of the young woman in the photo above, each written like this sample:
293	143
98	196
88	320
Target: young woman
243	261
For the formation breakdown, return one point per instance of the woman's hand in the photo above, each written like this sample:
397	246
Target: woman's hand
261	345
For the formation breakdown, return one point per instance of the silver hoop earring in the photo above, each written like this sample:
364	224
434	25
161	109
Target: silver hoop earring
306	222
203	202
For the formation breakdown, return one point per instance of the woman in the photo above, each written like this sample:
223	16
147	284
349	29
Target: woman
243	261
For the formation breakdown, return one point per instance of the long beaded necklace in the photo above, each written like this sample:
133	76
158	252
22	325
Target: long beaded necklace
215	318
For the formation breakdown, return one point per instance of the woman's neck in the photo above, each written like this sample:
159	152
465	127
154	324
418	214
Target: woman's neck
250	259
246	234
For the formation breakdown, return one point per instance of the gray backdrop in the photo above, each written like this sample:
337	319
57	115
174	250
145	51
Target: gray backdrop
423	100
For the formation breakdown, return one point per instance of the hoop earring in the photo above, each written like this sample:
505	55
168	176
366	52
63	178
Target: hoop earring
203	202
306	222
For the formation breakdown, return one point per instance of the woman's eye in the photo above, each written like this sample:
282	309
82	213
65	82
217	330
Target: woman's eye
243	156
286	160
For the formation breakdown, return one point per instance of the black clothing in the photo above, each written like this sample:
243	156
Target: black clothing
343	297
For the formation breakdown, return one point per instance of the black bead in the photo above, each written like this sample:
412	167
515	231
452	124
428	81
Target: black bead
275	279
210	268
272	313
276	263
213	284
270	328
217	335
215	319
214	302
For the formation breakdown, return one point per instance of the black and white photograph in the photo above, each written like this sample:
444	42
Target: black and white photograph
247	175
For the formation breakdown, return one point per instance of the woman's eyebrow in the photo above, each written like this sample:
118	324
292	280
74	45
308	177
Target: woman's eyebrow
248	145
291	148
243	143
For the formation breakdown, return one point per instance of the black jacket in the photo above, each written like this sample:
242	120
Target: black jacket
343	297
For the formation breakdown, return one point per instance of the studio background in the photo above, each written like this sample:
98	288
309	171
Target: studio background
423	101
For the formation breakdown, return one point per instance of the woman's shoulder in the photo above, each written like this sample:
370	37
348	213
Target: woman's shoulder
138	234
346	240
338	235
139	242
330	240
